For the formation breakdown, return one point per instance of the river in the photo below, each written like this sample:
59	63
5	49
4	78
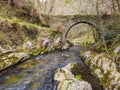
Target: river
37	72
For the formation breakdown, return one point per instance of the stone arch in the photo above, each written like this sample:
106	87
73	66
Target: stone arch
96	37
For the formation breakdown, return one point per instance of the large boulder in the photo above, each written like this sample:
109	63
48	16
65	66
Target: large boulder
74	85
11	59
68	81
105	68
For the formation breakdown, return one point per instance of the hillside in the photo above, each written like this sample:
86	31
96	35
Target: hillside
21	33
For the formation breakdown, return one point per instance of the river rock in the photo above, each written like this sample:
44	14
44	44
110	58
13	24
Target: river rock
27	45
67	79
74	85
117	49
66	45
51	48
55	45
57	41
46	42
64	72
12	58
105	68
1	49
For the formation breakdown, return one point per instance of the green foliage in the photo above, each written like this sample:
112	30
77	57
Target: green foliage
78	76
53	34
23	23
10	79
111	36
1	34
66	1
119	88
103	79
36	52
15	19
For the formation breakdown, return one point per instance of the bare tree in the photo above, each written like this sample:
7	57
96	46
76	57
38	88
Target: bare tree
118	4
45	6
100	21
113	5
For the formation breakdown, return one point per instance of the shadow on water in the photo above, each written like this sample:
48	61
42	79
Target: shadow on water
37	73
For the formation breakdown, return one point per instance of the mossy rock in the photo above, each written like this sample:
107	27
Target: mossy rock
79	77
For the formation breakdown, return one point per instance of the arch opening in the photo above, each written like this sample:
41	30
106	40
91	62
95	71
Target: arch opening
82	33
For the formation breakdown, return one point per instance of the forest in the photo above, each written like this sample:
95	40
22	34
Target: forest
59	44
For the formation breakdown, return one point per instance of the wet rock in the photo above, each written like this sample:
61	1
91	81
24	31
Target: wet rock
27	45
74	85
46	42
1	49
66	45
12	56
62	74
117	49
105	68
51	48
67	79
57	42
7	60
21	55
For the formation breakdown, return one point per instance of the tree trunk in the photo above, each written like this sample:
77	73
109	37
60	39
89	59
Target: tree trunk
118	4
113	6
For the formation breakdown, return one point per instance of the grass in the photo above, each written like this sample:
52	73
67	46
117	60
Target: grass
1	34
79	77
20	22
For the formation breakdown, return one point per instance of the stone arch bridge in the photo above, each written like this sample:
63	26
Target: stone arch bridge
97	29
67	22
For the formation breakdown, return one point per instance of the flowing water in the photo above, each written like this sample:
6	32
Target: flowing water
37	73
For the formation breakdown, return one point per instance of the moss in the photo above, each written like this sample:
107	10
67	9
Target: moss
1	64
103	79
34	85
14	78
78	76
25	15
61	70
15	30
36	52
1	34
119	88
53	34
94	68
87	62
28	64
23	23
11	79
